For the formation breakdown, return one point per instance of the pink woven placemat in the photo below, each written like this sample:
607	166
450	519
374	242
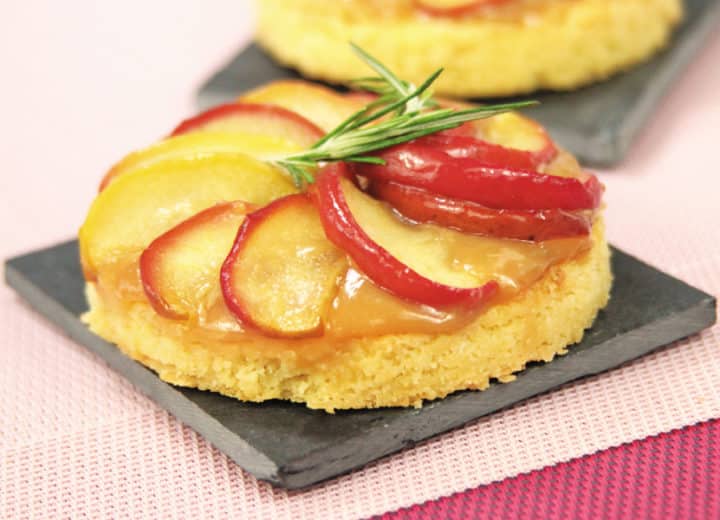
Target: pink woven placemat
77	440
672	475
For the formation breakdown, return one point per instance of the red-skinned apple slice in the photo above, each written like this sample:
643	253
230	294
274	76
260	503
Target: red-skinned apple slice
454	7
536	225
182	266
335	193
253	118
282	272
470	179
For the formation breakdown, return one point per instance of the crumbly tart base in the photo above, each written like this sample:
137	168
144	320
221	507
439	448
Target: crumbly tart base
392	370
553	44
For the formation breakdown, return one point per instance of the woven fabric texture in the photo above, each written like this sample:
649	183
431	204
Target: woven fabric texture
672	475
76	440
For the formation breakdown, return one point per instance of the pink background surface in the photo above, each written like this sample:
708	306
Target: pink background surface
83	83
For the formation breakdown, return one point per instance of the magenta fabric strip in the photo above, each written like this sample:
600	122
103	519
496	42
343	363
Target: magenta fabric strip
672	475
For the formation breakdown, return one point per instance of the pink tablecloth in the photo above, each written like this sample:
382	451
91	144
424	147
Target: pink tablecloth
84	82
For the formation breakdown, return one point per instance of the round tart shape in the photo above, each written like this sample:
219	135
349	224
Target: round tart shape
497	48
191	267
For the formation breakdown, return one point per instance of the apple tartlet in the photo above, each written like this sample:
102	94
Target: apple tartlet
224	259
488	47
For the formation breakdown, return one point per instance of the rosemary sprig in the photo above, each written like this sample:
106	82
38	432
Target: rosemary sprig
411	113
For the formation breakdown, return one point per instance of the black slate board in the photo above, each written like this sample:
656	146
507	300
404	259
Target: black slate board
596	123
294	447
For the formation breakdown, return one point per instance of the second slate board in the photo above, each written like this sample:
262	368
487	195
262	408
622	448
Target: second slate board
597	123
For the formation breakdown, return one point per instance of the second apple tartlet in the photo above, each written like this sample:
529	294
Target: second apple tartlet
488	47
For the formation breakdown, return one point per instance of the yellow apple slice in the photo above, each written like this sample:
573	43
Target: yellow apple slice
321	105
509	130
283	273
141	205
180	269
512	130
199	144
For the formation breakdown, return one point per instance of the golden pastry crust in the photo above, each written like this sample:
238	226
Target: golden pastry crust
392	370
513	49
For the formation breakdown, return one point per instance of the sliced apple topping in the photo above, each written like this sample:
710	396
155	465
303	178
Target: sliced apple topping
321	105
180	268
282	272
209	227
141	205
254	118
197	145
409	261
